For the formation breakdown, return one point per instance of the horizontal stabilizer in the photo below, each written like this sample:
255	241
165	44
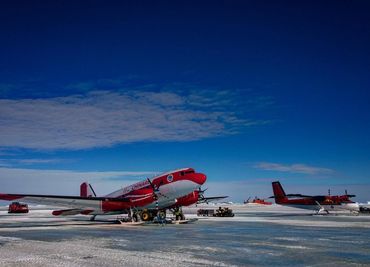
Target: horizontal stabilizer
72	202
71	212
208	199
66	212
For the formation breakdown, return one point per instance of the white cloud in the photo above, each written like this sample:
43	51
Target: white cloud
293	168
35	161
4	163
4	152
104	118
67	182
20	180
238	191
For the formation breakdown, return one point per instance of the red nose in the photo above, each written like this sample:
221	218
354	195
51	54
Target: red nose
200	178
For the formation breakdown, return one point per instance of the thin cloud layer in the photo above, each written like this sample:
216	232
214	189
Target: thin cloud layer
24	180
293	168
105	118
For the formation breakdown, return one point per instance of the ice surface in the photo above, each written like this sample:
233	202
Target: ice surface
253	237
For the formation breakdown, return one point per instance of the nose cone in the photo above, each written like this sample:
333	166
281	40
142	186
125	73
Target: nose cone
200	178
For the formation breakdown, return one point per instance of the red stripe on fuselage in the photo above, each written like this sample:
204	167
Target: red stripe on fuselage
143	187
107	206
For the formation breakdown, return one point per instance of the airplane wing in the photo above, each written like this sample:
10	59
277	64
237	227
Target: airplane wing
68	201
297	195
208	199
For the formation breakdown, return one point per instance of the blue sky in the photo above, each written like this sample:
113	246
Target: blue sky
245	91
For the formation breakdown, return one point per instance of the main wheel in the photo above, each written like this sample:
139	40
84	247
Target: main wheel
145	215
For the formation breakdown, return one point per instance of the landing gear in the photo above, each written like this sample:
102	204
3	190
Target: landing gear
133	216
149	215
322	211
146	215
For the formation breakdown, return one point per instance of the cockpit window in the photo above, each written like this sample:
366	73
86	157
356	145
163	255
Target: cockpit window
182	173
189	172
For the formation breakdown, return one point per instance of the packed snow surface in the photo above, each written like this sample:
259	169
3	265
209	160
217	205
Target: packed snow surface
263	236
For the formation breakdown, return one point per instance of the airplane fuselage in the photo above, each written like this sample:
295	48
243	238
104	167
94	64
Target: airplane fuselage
334	207
160	192
326	203
170	187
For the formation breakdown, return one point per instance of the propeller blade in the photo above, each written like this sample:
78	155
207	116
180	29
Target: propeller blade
152	185
202	191
201	197
155	190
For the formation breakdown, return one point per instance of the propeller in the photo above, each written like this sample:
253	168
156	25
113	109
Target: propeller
201	197
345	191
202	191
155	191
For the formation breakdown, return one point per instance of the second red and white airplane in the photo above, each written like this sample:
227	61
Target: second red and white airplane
143	200
320	203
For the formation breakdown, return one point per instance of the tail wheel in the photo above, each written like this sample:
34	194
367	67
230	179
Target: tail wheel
145	216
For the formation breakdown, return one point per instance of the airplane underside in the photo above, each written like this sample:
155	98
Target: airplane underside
327	208
168	194
167	197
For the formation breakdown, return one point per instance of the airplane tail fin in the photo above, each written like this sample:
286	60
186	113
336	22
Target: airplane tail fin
86	190
279	193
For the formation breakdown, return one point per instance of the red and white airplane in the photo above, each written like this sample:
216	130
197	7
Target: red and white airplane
319	203
145	199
